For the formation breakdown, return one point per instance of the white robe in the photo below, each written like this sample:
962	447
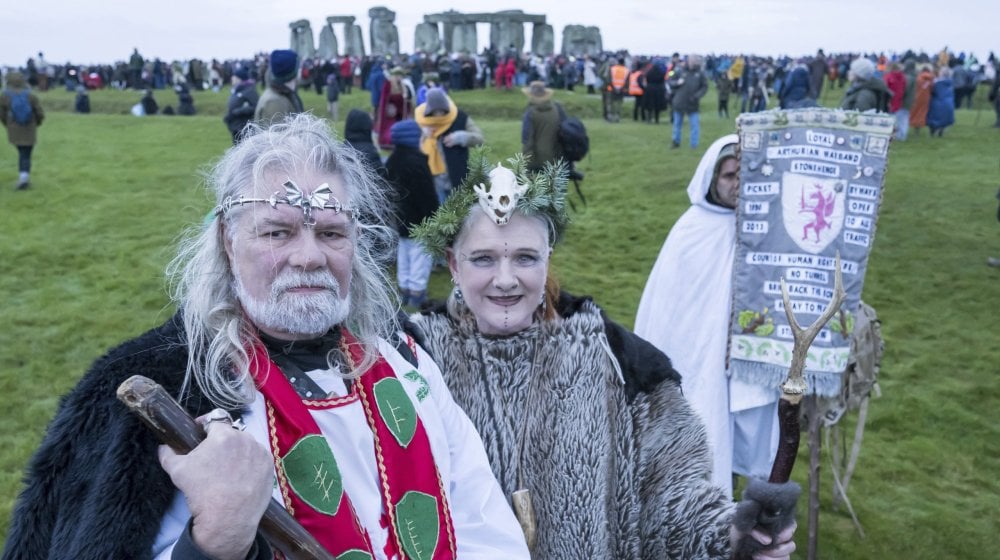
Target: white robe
685	312
485	526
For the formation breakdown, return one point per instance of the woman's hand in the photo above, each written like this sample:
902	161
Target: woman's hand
782	548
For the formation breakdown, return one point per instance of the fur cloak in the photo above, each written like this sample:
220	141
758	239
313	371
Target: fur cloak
590	418
95	488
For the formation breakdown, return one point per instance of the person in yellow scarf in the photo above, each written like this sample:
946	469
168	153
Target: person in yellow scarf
447	134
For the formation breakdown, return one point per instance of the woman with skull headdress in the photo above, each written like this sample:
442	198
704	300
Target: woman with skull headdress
584	423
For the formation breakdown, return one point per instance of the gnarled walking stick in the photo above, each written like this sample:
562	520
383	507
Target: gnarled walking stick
175	427
792	391
794	387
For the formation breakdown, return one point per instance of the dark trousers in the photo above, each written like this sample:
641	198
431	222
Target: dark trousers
24	158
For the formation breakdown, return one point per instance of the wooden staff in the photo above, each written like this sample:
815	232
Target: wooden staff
792	391
794	387
175	427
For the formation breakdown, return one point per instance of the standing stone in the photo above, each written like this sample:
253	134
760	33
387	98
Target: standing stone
426	38
448	29
505	33
354	40
327	43
302	39
579	40
383	32
464	38
543	40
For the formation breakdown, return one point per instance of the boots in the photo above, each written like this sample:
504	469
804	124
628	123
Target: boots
417	298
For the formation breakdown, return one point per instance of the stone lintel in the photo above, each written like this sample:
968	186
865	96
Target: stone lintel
452	17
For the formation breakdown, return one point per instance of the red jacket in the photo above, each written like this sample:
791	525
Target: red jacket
896	82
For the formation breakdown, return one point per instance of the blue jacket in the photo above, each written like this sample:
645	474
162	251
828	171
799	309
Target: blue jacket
942	109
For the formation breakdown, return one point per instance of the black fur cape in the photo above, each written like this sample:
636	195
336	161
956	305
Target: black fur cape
95	488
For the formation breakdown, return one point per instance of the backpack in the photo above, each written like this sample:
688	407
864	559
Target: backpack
20	107
882	99
572	136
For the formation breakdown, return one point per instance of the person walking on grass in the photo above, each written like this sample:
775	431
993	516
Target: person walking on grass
242	102
280	100
941	113
409	174
689	85
21	113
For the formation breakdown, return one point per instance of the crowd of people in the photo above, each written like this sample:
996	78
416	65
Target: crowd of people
513	420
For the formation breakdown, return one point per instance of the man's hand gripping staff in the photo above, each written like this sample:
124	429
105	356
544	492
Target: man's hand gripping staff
174	427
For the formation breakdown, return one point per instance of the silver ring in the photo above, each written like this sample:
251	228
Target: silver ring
239	425
218	415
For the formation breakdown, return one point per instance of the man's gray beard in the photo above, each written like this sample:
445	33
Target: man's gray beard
308	315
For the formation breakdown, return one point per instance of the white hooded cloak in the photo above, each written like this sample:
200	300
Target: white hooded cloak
685	312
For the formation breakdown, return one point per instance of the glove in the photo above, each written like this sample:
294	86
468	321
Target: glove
459	137
767	507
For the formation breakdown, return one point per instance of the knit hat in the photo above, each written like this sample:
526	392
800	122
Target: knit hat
862	69
283	65
405	133
241	72
437	100
727	151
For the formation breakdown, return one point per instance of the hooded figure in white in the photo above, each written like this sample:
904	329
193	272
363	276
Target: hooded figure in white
685	312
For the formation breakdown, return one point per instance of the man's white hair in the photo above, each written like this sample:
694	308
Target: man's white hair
217	331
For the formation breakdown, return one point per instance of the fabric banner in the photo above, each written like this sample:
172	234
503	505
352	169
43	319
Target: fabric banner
810	187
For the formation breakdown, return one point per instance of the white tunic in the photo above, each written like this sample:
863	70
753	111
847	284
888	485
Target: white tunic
485	526
685	312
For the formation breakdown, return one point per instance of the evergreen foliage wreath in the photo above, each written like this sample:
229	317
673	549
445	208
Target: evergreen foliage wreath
546	195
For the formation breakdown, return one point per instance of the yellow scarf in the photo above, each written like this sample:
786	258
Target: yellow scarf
433	128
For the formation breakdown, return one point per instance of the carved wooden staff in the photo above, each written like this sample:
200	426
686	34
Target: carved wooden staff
792	391
175	427
794	387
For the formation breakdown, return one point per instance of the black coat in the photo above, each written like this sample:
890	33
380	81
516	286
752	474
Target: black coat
241	105
689	86
654	98
411	179
95	488
358	134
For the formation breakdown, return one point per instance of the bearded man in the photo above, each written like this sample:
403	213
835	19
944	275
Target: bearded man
285	320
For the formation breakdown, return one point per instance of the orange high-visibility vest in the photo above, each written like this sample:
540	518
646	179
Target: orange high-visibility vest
634	88
618	75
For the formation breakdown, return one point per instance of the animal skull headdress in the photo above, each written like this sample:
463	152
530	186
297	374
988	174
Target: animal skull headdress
500	197
498	191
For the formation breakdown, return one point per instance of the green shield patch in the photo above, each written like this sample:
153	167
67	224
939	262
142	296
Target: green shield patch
396	409
417	524
355	554
312	473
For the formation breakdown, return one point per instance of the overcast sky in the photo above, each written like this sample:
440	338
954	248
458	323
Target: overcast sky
107	30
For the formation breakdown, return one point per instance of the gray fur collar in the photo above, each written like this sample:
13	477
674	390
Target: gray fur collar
607	479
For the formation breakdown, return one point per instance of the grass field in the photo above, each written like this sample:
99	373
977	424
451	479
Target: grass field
82	255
